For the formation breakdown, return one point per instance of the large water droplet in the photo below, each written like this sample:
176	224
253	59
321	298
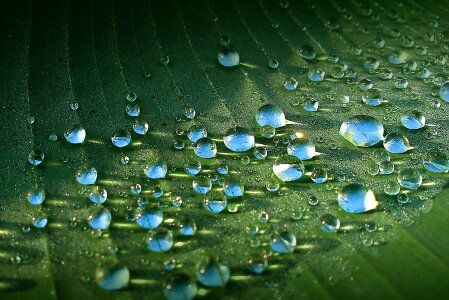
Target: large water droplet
193	168
413	120
160	240
288	168
228	58
444	91
196	132
283	242
113	277
410	178
271	115
302	148
75	134
215	202
36	157
329	223
205	148
372	97
201	185
156	171
140	127
395	142
149	218
239	139
437	162
180	286
355	198
213	273
98	195
362	131
233	188
86	176
36	197
121	138
100	220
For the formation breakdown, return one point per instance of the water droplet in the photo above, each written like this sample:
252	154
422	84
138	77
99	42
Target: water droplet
215	202
205	148
392	188
413	120
258	263
131	97
164	60
86	176
403	198
317	75
75	134
157	170
288	168
36	197
311	104
270	115
98	195
260	152
233	188
40	222
136	189
301	147
395	142
283	242
307	52
149	218
196	132
263	217
371	64
410	178
160	240
222	169
180	287
224	40
380	155
36	157
53	137
272	185
400	83
386	168
291	84
239	139
355	198
372	98
121	138
362	131
228	58
133	110
201	185
385	74
444	91
193	168
124	160
407	41
140	127
187	227
267	132
273	64
212	273
74	106
319	175
112	277
101	219
436	162
189	113
329	223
